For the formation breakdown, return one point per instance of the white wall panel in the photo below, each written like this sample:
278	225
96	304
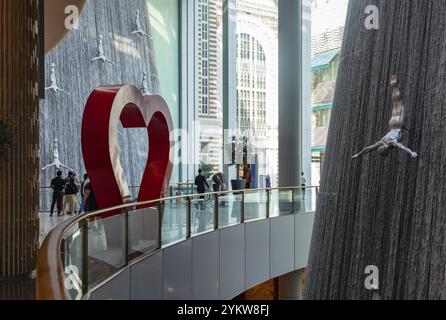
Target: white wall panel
117	289
304	230
282	245
257	252
206	266
177	270
146	279
232	261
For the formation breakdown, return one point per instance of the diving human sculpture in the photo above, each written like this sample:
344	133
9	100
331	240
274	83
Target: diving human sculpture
101	55
138	29
392	139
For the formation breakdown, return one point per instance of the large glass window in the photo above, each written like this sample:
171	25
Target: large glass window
322	118
257	85
208	75
327	30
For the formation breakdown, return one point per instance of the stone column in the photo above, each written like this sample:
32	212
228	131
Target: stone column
290	286
290	92
19	104
290	116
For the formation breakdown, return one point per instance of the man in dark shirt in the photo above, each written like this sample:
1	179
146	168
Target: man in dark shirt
83	184
58	185
200	182
90	203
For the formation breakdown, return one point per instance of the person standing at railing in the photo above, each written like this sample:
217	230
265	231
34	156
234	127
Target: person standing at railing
58	185
248	177
303	183
217	182
71	191
83	184
201	183
268	182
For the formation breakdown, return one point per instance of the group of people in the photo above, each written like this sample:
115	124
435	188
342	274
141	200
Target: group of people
66	191
218	179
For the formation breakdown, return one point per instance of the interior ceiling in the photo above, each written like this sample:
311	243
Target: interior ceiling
55	17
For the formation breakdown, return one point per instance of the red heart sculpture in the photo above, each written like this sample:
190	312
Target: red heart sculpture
105	107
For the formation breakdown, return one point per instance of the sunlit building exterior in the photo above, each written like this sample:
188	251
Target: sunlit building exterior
327	36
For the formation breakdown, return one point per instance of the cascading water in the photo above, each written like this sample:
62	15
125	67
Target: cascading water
61	114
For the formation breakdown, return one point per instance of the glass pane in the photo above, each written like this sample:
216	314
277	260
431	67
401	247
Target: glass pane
72	261
302	200
305	200
46	194
281	202
143	232
184	188
255	205
174	221
229	209
202	214
314	196
106	247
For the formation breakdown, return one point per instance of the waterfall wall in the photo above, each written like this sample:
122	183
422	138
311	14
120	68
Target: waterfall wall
61	114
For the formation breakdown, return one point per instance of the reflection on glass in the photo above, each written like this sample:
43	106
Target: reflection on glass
174	221
202	214
281	202
106	247
106	237
142	231
229	209
255	205
72	262
304	200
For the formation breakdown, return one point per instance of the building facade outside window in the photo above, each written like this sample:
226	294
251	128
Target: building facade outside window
257	84
327	24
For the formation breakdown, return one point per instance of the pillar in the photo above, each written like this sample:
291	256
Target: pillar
229	78
290	286
290	92
19	186
290	116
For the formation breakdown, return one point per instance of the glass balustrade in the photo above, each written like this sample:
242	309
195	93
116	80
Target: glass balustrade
97	245
71	254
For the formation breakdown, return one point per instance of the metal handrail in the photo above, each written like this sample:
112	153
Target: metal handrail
50	273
